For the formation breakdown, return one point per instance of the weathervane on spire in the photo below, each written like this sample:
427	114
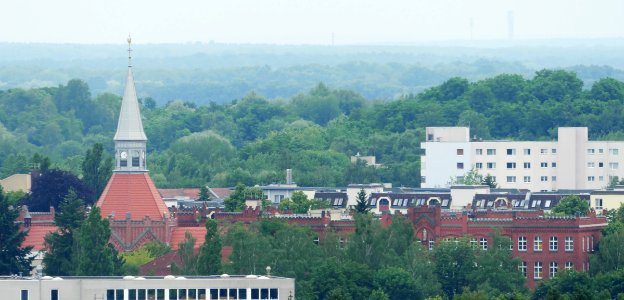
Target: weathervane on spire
129	51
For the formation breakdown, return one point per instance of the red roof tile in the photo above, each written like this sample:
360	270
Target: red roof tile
179	193
221	192
177	236
133	193
35	236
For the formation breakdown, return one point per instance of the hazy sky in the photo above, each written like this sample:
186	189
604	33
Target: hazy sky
305	21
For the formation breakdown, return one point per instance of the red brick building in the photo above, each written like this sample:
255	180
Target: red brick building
545	244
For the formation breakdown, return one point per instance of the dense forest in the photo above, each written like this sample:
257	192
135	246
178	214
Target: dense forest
252	140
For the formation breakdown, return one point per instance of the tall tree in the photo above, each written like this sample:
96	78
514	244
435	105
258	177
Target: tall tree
188	259
59	244
49	190
209	260
14	258
96	169
454	262
361	206
203	194
92	254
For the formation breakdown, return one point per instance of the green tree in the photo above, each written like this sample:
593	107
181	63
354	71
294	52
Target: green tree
209	260
14	258
472	177
188	259
361	206
96	169
236	200
397	283
60	245
135	259
301	202
610	255
489	181
378	294
203	194
157	248
250	250
571	205
454	262
92	253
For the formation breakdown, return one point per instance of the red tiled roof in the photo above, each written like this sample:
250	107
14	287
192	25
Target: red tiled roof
221	192
161	266
35	236
176	193
134	193
177	236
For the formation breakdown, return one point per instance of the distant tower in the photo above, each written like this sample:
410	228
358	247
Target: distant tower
130	139
510	24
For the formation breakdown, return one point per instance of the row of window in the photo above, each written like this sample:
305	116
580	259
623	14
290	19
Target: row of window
193	294
612	151
509	151
510	165
612	165
54	295
553	244
537	268
527	179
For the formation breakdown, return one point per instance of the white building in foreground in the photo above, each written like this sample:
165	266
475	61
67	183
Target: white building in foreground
570	162
150	288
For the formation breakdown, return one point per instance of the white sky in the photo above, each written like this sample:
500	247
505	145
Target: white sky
304	21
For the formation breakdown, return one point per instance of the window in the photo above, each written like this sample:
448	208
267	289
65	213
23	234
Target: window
511	165
460	165
569	244
123	163
523	268
24	295
600	151
547	203
511	178
430	137
522	243
483	243
598	203
537	243
479	151
544	164
569	266
527	151
423	179
491	151
527	165
511	151
614	151
54	295
553	151
473	243
591	178
431	243
119	294
613	165
527	179
543	178
553	178
491	165
591	164
460	151
591	151
479	166
553	269
600	164
600	178
537	270
553	244
543	151
553	164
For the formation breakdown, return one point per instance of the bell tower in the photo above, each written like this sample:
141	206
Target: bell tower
130	139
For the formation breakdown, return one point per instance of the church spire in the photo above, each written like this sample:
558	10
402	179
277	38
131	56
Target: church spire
130	139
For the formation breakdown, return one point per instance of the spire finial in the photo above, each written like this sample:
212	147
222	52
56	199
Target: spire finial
129	51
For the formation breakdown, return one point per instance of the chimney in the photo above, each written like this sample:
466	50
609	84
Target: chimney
289	176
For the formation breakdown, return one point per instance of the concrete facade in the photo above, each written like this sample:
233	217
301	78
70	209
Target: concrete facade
571	162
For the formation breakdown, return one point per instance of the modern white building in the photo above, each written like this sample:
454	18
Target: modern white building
249	287
570	162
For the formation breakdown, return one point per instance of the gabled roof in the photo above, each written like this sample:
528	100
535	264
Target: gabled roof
133	193
130	126
35	236
177	236
220	193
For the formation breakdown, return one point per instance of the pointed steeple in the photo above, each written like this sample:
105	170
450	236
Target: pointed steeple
130	126
130	139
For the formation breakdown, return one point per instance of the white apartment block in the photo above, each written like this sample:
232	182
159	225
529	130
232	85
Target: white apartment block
571	162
